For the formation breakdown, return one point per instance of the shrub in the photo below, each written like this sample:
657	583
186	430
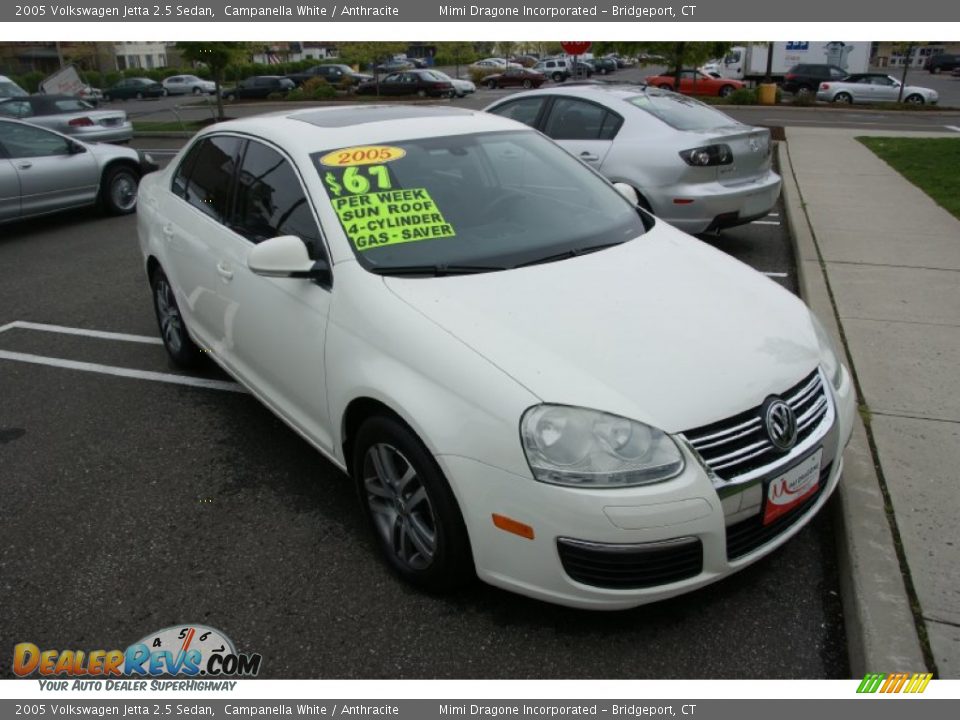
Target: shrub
296	94
324	92
743	96
30	81
806	99
311	85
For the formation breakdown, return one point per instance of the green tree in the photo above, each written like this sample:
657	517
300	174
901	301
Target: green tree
217	56
461	52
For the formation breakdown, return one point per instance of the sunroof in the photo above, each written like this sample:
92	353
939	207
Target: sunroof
354	115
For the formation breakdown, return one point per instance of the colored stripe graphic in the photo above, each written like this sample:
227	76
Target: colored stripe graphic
894	682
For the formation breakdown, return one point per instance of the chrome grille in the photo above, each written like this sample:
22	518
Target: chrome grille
739	445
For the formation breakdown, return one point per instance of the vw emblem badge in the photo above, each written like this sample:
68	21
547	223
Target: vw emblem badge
781	425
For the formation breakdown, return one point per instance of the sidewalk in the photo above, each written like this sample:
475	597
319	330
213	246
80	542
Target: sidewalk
880	256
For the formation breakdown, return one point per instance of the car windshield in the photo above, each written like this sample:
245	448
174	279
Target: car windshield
485	201
9	89
681	112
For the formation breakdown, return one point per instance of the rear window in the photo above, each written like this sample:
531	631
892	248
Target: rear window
681	112
72	105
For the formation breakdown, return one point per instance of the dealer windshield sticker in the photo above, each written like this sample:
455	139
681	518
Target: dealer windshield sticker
362	155
375	213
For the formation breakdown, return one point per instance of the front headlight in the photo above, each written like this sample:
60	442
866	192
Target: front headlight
829	357
587	448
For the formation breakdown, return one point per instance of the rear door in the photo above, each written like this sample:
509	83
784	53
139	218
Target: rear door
199	202
525	109
584	129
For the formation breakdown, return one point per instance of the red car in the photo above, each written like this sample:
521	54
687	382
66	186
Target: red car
515	77
694	82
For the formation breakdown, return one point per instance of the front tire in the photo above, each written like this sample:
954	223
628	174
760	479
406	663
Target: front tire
139	96
726	90
527	84
491	84
914	99
118	190
173	330
558	77
412	511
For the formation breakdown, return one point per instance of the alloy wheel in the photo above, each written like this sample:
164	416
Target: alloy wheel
400	507
171	324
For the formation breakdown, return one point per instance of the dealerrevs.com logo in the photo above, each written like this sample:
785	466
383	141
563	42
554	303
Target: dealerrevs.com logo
181	651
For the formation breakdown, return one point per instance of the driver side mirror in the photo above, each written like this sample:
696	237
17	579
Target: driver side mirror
286	257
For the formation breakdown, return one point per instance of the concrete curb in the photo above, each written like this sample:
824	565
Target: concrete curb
881	631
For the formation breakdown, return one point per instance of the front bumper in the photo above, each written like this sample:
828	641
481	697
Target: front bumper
682	526
716	205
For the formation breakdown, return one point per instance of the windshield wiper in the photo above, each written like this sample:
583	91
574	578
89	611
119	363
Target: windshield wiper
567	254
437	270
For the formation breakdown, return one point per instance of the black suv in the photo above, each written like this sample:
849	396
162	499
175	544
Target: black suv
941	62
333	74
807	77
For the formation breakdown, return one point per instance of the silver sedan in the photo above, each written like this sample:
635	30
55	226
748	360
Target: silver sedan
691	165
71	116
874	88
188	85
43	172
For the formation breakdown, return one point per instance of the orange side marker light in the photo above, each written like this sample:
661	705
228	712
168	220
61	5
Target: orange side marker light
513	526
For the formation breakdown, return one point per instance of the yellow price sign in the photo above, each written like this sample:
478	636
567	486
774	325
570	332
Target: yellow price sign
362	155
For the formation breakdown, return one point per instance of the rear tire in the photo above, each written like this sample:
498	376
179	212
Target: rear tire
411	510
664	86
557	77
843	98
491	85
527	84
173	330
139	96
726	90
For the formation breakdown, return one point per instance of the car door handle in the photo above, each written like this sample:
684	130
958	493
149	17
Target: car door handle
224	272
25	165
589	156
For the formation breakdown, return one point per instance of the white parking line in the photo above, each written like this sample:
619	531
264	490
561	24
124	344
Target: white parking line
774	274
108	369
765	222
102	334
122	372
952	127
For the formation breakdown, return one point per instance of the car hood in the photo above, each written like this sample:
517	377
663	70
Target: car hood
663	329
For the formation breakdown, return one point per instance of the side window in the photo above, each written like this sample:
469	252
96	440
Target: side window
271	201
182	176
26	141
211	176
525	110
577	120
837	73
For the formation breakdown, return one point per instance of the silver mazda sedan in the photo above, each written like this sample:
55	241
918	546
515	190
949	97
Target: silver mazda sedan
693	166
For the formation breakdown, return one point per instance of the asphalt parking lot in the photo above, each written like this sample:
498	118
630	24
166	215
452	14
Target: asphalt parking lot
135	499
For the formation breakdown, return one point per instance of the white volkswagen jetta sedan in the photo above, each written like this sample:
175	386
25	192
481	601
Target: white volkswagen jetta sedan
528	378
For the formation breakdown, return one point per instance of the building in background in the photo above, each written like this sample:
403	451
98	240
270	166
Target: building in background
893	54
